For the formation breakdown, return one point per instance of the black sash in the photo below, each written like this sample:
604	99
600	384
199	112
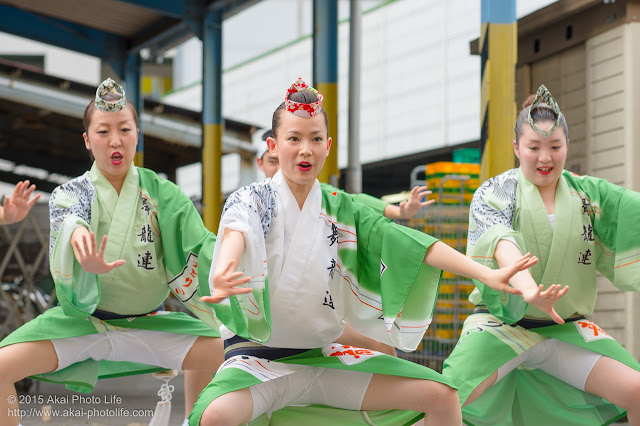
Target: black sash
240	346
530	323
105	315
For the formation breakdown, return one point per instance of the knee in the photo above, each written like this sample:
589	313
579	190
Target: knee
10	377
441	398
630	400
216	415
9	374
448	397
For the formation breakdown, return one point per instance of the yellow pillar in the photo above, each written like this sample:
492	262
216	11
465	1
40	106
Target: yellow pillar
138	159
330	171
498	47
211	173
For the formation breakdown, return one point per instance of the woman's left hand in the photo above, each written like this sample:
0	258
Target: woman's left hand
498	279
409	208
91	259
227	283
18	205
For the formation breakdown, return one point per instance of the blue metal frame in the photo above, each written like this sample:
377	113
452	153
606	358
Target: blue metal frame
325	41
113	48
190	11
212	69
162	38
231	7
79	38
498	11
177	9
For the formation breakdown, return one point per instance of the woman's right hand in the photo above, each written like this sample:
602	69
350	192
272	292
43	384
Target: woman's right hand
89	257
226	283
544	299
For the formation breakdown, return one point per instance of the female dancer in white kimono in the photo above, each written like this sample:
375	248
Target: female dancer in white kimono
268	163
552	366
312	261
109	323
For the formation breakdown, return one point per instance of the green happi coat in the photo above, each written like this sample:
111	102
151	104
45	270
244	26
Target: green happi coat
595	230
343	264
152	225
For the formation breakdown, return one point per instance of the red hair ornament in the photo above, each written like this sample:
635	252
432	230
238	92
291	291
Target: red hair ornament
301	109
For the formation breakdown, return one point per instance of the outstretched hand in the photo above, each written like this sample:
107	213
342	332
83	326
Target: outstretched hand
544	299
498	279
226	284
91	259
16	207
409	208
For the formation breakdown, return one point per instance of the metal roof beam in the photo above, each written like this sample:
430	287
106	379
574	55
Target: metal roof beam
190	11
162	39
175	8
67	35
231	7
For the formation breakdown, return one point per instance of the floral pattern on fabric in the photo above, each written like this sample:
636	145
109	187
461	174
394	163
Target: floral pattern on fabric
259	197
300	109
484	214
73	198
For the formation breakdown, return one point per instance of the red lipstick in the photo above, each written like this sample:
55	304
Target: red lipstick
116	158
303	166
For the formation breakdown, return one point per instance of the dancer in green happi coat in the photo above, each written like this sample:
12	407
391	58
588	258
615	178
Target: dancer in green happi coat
535	359
121	239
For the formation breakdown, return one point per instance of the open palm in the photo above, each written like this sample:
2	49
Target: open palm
18	205
498	279
545	299
409	208
225	284
90	258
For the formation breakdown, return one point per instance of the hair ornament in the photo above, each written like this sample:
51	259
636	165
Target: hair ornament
301	109
544	100
106	87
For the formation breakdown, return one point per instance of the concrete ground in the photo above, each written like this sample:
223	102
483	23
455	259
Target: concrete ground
128	401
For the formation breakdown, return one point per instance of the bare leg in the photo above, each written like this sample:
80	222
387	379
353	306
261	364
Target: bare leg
437	400
486	384
617	383
230	409
194	382
207	353
17	362
353	338
202	361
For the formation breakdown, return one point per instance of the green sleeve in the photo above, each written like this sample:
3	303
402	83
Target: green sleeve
614	214
372	202
183	236
77	291
389	261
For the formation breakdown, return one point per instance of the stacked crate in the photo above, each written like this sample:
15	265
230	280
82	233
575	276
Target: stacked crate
453	185
448	191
